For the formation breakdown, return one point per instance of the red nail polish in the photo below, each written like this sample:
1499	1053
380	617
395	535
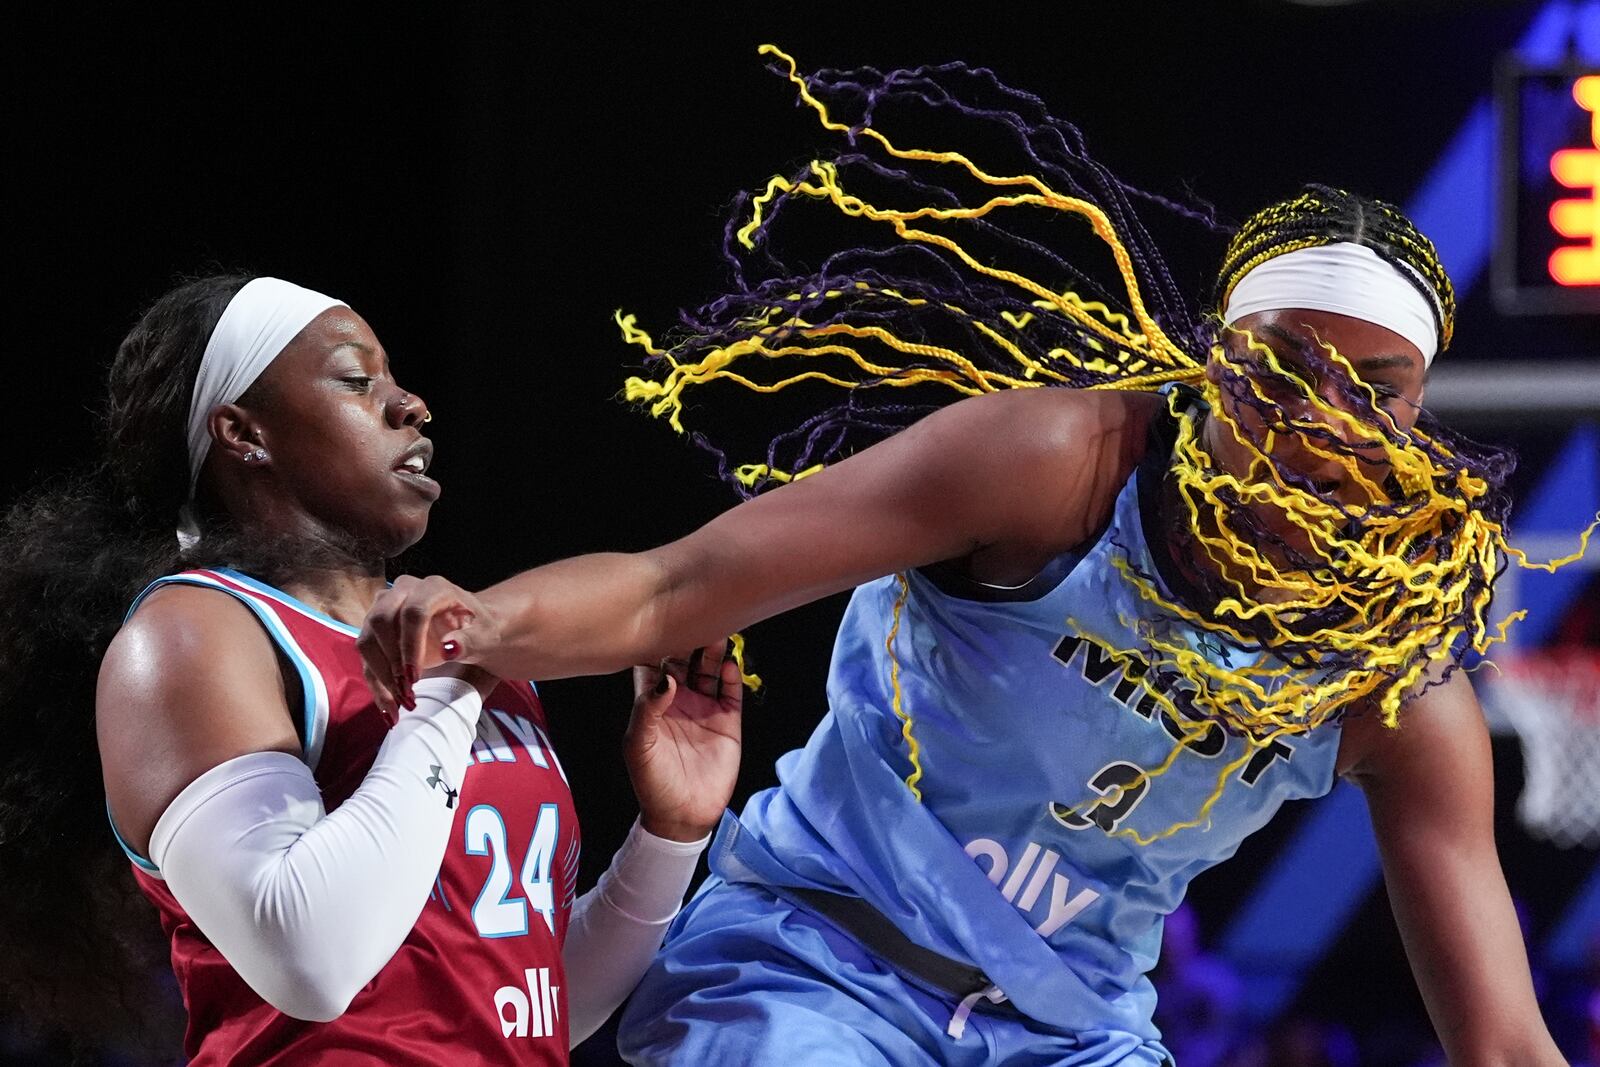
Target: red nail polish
450	650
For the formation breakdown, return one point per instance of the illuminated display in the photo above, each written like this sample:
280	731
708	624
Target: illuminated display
1579	168
1547	253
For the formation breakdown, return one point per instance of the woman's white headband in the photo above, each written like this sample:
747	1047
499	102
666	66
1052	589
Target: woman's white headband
1344	278
258	323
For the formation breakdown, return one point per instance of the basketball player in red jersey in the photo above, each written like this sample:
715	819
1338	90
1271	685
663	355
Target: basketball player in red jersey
339	885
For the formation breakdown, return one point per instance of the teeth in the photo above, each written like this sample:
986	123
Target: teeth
415	465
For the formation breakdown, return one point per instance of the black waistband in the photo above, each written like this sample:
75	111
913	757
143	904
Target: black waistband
876	932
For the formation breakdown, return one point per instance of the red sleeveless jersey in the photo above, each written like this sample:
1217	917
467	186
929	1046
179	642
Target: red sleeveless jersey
478	979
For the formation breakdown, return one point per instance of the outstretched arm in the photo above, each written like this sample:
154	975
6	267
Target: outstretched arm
1019	476
1430	790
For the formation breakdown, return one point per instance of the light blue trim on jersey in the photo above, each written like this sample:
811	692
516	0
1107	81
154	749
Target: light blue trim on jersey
139	861
544	739
285	599
312	690
313	727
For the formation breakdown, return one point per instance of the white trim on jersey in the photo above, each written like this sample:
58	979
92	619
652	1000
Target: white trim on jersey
544	739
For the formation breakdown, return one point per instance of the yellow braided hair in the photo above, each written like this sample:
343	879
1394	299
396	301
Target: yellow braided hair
957	286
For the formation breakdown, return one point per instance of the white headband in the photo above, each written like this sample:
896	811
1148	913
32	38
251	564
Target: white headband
258	323
1344	278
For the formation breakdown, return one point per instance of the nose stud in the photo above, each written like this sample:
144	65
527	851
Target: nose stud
405	401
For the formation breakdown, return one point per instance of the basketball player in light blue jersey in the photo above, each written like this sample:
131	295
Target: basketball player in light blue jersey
1088	652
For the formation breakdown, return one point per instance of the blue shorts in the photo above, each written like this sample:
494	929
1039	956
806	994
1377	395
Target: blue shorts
748	978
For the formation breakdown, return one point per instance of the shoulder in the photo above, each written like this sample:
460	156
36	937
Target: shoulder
1046	466
182	635
190	682
1076	445
1046	419
1440	728
519	696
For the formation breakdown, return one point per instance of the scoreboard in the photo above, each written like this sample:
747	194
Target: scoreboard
1547	245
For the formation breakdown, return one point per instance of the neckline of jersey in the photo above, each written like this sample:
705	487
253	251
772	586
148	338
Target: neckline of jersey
278	595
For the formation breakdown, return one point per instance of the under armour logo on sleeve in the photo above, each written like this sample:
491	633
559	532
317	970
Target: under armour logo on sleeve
436	779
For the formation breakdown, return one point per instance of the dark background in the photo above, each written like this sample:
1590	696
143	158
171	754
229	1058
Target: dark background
487	184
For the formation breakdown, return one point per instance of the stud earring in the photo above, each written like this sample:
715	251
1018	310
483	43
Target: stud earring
255	455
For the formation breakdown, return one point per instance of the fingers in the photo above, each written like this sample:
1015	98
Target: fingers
705	674
650	682
380	652
704	671
730	683
407	622
382	695
654	690
432	604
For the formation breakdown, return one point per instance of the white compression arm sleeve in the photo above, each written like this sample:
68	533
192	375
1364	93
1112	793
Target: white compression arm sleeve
617	926
307	905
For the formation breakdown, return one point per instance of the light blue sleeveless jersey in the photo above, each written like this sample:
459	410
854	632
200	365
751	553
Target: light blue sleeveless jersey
1024	733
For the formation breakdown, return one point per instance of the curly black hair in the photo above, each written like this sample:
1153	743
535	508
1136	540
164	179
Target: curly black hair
82	945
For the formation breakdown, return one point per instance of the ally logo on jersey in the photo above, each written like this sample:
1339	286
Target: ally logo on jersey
530	1010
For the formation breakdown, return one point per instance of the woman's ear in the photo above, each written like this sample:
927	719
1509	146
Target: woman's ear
235	435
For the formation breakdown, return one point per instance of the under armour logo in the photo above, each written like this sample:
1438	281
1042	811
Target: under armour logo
436	779
1211	645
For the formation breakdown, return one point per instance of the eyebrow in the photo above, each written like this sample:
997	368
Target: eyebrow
364	349
1383	361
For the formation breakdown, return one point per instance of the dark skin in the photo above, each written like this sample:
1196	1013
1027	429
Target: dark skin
192	681
1004	483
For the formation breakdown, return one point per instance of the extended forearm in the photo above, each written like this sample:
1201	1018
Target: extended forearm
590	614
977	476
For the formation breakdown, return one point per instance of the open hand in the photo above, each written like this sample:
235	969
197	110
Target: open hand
683	742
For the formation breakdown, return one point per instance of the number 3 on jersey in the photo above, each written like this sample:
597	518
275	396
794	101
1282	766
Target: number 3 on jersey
497	913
